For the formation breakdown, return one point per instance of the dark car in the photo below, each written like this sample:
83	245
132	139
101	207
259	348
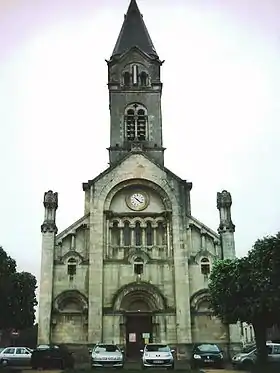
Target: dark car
52	356
207	354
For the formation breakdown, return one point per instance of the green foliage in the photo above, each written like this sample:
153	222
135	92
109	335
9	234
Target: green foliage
229	287
17	295
248	289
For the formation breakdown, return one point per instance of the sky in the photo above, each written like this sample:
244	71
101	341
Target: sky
221	108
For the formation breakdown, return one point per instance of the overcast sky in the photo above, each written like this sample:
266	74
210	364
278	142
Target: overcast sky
221	108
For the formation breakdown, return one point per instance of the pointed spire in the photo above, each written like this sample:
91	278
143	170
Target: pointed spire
134	33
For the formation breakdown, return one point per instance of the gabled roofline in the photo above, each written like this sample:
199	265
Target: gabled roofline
119	57
72	226
88	184
199	224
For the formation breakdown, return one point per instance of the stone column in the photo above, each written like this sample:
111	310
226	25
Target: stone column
226	231
73	242
116	323
95	296
143	231
49	231
132	236
226	228
181	245
162	329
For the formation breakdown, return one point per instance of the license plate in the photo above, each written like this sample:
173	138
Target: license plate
158	361
209	361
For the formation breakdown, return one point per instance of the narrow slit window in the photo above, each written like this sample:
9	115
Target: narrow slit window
126	78
161	234
138	234
138	266
205	266
127	234
115	232
149	234
143	79
72	267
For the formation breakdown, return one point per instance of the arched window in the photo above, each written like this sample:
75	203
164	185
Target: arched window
115	234
205	266
143	79
71	267
136	120
161	234
126	234
138	234
149	235
138	266
126	79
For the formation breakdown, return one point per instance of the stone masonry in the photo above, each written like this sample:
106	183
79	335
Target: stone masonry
135	268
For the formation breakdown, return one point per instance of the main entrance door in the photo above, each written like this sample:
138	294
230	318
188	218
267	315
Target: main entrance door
139	329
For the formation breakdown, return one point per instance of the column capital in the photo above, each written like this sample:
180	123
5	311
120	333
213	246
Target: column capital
51	200
49	227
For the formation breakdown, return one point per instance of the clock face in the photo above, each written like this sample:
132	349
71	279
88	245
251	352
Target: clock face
137	201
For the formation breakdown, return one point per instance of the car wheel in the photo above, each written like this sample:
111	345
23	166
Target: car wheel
171	368
247	365
4	363
143	367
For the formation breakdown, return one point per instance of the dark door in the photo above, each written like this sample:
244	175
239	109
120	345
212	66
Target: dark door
137	328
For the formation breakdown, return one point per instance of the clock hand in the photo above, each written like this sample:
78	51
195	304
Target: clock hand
137	200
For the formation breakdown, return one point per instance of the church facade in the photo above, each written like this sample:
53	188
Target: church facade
135	268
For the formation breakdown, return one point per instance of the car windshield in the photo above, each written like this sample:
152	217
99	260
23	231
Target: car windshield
157	348
106	348
207	348
248	349
46	347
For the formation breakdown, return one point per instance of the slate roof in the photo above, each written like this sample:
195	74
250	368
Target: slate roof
134	33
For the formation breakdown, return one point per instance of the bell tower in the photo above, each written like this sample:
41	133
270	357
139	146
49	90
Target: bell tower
135	92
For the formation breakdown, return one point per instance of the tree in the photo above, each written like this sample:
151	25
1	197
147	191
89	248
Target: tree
17	295
248	289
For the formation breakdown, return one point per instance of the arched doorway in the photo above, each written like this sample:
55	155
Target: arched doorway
139	327
70	313
205	326
139	302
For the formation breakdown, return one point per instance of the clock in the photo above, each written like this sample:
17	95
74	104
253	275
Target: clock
137	201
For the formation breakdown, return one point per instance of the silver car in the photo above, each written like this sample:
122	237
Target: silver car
107	356
157	355
247	359
15	356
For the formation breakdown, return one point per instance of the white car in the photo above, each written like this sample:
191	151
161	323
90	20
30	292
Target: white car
107	356
157	355
15	356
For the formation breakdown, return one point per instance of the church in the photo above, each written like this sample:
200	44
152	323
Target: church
135	267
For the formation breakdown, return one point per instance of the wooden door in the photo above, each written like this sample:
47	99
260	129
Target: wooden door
137	328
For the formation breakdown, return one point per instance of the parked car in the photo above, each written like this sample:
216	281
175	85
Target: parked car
15	356
107	356
247	359
52	356
207	354
157	355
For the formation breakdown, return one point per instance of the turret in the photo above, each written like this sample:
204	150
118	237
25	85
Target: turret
226	228
49	231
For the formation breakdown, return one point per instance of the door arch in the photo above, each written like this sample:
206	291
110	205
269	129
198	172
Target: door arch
138	302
